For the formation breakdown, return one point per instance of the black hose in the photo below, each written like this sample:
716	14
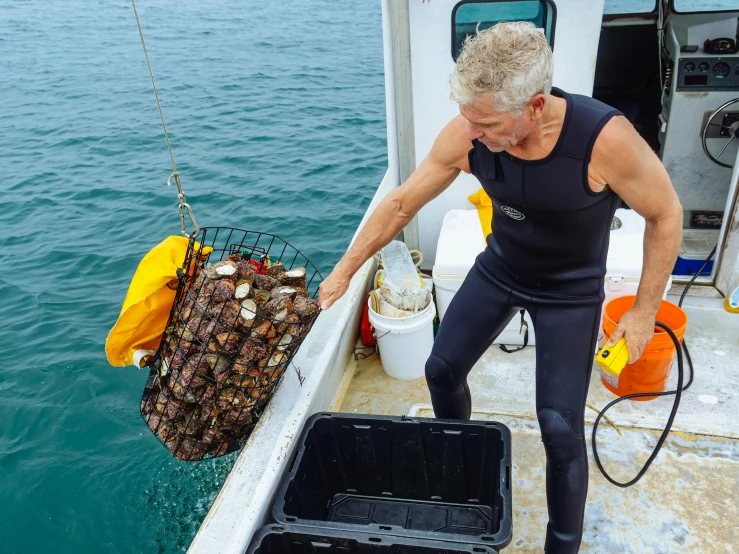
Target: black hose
690	283
678	392
673	413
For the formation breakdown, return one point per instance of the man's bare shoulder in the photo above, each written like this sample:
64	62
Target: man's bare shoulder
619	148
452	145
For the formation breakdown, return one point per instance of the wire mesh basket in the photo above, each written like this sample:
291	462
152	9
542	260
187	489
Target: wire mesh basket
239	316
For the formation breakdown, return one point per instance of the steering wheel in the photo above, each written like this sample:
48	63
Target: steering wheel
731	130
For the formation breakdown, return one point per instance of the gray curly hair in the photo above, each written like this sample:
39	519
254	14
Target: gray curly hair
511	60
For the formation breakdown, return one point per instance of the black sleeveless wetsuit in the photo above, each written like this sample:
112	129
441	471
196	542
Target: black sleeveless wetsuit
547	254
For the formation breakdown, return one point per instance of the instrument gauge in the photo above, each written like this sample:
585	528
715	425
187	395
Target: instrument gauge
721	70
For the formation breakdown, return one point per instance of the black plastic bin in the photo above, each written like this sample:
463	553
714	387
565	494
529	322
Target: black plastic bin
293	539
398	476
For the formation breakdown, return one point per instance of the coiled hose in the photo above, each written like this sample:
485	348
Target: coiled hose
678	392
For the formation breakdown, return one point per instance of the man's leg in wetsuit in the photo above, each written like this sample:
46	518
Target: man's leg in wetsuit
566	335
479	311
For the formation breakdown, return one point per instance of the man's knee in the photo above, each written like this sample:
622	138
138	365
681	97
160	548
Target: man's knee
561	442
439	376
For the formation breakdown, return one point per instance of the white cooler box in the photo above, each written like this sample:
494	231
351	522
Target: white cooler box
461	240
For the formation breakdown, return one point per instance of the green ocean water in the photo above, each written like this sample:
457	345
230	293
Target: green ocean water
277	119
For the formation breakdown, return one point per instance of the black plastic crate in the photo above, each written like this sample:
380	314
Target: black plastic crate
398	476
294	539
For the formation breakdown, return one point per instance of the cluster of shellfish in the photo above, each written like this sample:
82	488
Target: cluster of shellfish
235	329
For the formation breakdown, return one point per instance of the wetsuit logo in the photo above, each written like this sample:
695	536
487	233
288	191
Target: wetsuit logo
510	212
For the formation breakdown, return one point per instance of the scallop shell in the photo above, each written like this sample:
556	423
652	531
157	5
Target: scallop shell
243	291
261	296
295	277
245	271
275	270
224	290
265	282
306	308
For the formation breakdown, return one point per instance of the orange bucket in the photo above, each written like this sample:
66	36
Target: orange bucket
650	372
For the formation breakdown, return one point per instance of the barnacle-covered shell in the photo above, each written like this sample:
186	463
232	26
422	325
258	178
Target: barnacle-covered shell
278	308
165	431
227	314
197	280
223	291
210	272
219	366
265	282
239	415
228	343
190	428
153	420
275	270
213	435
189	450
172	364
306	307
250	350
264	330
302	291
177	331
209	396
224	268
219	449
202	328
288	291
194	378
189	306
205	296
276	359
174	410
245	272
159	402
295	277
290	324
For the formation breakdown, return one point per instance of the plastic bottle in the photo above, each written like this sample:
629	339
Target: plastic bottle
399	268
732	302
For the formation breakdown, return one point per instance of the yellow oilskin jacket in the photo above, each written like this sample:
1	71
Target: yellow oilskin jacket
145	311
484	206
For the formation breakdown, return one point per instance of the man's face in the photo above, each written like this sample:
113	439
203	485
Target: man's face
497	130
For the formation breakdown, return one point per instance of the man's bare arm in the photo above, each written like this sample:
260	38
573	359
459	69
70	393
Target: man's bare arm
438	170
625	161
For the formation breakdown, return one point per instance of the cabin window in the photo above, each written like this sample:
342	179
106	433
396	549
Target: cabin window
630	6
684	6
471	16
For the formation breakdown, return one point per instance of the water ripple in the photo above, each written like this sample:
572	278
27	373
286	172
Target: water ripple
276	116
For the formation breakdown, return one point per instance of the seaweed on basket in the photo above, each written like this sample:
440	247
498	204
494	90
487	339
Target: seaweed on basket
237	321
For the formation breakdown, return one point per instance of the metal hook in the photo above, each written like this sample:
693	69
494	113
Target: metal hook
196	230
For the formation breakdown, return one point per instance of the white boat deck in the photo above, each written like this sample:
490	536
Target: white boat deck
685	503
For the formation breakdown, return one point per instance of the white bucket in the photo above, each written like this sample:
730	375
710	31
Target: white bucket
405	343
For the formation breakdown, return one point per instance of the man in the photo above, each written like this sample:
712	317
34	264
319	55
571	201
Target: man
555	166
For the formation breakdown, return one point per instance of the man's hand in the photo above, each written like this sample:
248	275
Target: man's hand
638	329
333	287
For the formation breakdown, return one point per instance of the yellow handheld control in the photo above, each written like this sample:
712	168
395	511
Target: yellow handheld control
612	360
